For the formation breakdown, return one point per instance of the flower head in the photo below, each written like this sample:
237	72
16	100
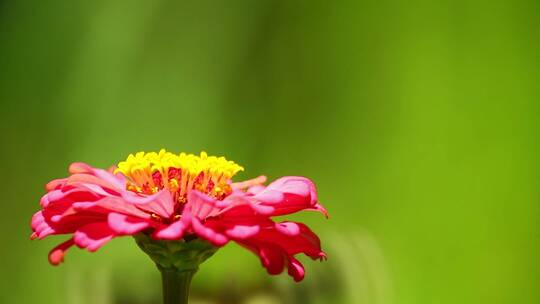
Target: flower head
176	196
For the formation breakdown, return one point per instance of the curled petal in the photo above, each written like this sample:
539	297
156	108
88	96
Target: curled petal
56	255
296	185
277	245
296	269
40	226
272	259
288	195
305	241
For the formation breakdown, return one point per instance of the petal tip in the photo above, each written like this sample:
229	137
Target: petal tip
56	255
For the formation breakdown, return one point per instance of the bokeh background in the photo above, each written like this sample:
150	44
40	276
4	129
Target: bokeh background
418	120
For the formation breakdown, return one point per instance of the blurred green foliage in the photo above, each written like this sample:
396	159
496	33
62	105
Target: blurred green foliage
418	120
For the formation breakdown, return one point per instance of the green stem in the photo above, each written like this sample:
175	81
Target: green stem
176	285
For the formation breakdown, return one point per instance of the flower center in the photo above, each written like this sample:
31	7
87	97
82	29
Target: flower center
148	173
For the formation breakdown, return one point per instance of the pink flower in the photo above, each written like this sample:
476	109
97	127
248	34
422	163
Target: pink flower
171	196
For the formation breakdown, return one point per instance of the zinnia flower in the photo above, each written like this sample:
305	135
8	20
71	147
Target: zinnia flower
166	197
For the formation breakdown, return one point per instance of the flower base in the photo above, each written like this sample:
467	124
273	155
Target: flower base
177	261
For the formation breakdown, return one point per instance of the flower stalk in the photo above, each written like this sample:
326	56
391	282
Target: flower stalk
176	285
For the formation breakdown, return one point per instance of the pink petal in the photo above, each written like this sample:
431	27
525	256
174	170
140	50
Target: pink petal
93	236
55	184
115	180
174	231
112	204
255	189
242	205
77	179
201	205
242	231
288	228
67	197
123	224
207	233
160	203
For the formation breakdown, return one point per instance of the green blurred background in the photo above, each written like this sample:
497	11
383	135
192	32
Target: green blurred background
418	120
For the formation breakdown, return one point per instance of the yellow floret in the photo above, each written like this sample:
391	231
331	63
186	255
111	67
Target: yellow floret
142	164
